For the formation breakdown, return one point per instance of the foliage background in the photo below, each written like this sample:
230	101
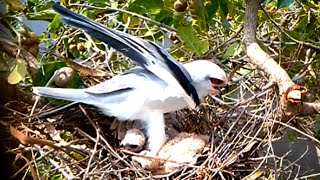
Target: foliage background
203	29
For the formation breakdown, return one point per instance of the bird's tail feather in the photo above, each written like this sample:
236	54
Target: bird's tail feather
80	95
111	104
75	95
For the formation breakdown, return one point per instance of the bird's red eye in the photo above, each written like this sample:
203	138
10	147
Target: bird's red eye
216	81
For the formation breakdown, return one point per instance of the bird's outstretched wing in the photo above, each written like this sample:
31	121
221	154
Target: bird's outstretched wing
145	54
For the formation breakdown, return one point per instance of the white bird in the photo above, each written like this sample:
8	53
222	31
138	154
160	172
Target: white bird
156	86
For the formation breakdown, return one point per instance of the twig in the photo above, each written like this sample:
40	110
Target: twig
225	42
86	174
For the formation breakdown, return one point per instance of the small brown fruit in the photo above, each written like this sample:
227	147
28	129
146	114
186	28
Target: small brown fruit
64	76
34	50
80	47
72	47
63	54
33	38
71	40
183	59
173	36
180	5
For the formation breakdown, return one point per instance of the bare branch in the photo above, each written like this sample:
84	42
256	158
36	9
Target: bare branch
309	109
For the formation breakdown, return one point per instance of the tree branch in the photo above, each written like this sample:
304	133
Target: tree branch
309	109
290	102
256	55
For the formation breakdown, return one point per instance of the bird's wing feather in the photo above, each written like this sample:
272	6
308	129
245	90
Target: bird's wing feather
128	91
128	80
145	54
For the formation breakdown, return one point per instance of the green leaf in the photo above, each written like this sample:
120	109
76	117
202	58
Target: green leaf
57	177
133	20
44	6
285	3
68	136
44	74
98	1
55	23
292	136
146	7
266	2
223	4
18	73
225	23
212	8
199	14
192	42
32	2
232	51
46	15
166	14
89	14
224	12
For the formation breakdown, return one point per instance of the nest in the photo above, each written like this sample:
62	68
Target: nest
78	142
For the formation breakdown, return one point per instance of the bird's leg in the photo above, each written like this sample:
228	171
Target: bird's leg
154	121
156	132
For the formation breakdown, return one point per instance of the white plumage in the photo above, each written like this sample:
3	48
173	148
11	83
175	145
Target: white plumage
157	86
139	95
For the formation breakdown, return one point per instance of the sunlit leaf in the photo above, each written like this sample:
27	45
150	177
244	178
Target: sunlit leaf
55	23
18	73
68	136
77	156
143	6
133	21
199	13
232	51
44	6
57	177
191	40
89	14
33	2
46	15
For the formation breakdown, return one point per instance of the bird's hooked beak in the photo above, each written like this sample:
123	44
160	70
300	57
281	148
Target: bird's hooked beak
217	84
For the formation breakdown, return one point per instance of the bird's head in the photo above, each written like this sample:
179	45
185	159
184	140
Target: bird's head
207	77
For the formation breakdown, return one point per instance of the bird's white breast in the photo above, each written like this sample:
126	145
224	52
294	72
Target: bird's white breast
166	99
